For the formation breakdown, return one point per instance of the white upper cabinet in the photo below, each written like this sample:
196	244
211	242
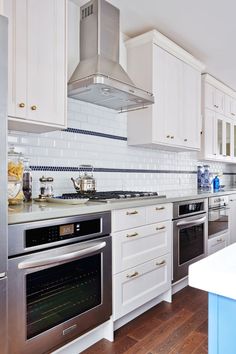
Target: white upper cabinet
174	76
219	121
230	107
37	64
214	99
191	117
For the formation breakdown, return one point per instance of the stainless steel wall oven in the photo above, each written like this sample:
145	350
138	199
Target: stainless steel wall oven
59	281
189	235
218	216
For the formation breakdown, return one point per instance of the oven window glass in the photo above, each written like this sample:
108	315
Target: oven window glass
59	293
191	243
217	221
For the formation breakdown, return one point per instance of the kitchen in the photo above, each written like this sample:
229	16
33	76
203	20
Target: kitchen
123	158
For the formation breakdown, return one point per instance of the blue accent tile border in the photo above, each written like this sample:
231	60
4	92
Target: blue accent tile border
119	170
89	132
101	169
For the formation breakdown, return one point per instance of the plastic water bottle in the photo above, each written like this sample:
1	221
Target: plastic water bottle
216	183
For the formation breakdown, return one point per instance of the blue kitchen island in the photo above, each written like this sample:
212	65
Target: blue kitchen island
216	274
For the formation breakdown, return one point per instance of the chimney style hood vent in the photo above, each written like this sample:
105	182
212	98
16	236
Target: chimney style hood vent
99	78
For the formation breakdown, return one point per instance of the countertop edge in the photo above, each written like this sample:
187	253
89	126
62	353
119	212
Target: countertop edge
25	213
216	273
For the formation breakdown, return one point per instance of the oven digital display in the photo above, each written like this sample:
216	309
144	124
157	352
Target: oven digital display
66	229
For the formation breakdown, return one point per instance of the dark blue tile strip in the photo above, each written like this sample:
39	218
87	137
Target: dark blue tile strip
89	132
97	169
120	170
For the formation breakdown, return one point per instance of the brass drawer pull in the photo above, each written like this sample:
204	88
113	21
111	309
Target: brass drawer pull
33	108
132	212
132	275
220	240
161	263
172	137
168	136
132	235
160	228
160	208
21	105
185	139
215	105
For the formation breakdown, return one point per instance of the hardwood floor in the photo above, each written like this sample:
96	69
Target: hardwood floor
177	328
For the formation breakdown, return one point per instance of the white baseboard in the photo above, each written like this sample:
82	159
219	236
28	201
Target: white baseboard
179	285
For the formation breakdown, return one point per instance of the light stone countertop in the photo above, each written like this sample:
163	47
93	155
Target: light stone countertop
36	211
216	273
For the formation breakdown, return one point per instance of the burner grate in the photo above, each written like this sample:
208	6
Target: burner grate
112	195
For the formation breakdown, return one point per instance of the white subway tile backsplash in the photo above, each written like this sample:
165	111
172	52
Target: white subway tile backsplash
68	149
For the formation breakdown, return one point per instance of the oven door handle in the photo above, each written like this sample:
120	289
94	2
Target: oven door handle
192	222
62	258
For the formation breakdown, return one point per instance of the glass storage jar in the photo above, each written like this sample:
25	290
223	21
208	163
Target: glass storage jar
15	177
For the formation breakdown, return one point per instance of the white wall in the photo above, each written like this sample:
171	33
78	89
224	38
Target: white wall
61	149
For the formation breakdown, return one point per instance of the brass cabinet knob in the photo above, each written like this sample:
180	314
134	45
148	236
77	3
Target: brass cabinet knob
185	139
22	105
33	108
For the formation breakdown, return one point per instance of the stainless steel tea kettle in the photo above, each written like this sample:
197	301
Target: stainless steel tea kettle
85	183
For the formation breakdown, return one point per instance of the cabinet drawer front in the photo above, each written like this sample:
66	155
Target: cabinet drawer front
135	246
217	243
159	212
128	218
139	285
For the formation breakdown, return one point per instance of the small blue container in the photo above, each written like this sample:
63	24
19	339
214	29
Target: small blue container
216	183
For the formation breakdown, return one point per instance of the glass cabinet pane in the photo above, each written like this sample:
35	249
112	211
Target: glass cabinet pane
228	139
219	137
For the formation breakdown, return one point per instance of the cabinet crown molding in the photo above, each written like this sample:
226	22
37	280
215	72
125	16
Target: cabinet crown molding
165	43
207	78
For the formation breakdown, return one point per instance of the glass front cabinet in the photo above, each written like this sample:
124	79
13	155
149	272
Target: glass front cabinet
219	137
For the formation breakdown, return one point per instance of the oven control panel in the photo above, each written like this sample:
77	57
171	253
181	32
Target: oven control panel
57	233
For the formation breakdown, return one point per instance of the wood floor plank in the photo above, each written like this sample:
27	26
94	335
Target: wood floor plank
159	335
180	333
106	347
193	341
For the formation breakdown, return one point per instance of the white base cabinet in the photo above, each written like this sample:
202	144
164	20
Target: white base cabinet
37	93
141	247
136	286
217	243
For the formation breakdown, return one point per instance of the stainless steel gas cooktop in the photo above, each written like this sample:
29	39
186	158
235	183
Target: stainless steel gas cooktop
114	196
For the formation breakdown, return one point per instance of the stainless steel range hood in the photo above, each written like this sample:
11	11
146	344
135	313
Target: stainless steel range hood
99	78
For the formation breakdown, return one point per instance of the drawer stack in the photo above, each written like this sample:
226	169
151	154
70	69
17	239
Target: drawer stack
141	244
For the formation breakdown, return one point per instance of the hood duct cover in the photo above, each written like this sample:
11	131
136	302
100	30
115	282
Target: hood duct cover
99	78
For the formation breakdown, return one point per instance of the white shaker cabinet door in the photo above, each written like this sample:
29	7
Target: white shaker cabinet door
169	94
37	60
214	99
209	134
191	125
